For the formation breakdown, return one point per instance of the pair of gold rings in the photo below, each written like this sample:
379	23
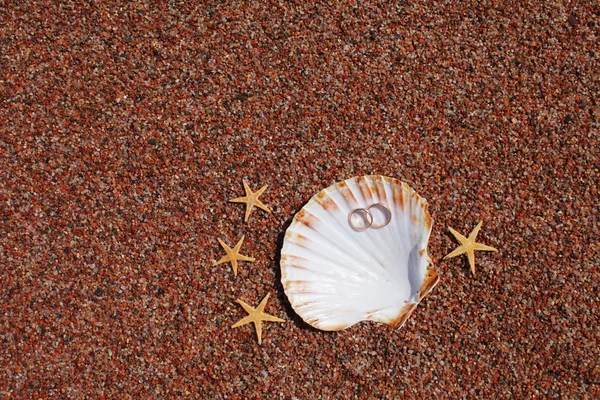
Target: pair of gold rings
361	219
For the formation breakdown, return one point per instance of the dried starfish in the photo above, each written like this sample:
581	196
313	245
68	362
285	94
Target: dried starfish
257	316
468	245
251	200
233	255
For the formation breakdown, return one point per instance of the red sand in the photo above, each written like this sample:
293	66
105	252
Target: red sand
125	130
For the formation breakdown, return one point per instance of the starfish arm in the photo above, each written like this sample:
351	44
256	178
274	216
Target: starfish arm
234	266
224	246
222	260
239	200
263	303
227	250
247	188
456	252
479	246
258	326
260	191
243	321
271	318
237	251
458	236
249	206
260	205
475	231
246	307
238	246
471	256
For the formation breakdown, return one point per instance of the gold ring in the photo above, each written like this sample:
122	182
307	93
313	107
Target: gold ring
367	217
387	212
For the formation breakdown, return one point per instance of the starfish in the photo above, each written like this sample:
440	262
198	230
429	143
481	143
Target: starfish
257	316
251	199
468	245
233	255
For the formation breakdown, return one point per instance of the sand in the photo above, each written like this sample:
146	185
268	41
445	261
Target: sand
126	128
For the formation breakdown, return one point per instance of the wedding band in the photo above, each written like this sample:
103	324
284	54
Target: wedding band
387	212
367	217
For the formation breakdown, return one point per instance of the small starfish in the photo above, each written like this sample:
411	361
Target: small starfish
251	199
468	245
257	316
233	255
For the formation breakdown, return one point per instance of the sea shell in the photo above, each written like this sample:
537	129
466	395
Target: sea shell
335	276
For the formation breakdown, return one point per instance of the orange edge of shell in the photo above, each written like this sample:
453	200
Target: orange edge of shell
431	280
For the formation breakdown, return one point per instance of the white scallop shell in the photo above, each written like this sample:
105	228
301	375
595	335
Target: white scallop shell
335	276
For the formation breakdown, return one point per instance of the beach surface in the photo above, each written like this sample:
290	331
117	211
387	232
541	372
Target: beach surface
126	128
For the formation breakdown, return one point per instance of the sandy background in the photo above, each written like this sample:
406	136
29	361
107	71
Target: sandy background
126	128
